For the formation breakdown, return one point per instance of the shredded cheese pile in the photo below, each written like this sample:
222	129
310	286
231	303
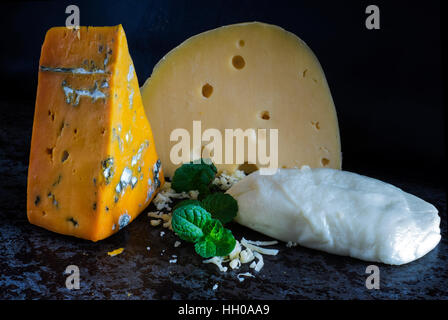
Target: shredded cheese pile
164	197
244	252
162	202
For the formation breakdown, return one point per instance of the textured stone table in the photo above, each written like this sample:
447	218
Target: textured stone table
33	260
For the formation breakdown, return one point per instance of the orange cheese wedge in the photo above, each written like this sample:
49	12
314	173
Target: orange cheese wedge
93	163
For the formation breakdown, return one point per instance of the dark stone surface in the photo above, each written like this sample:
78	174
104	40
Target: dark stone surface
33	260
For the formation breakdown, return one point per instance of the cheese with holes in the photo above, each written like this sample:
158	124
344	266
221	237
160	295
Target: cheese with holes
247	76
93	163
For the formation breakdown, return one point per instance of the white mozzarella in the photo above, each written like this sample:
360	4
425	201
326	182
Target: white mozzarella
338	212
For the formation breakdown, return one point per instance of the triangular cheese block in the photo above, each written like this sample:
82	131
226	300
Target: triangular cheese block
93	163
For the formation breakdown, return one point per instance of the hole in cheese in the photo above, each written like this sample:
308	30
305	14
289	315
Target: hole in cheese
248	167
207	90
241	43
324	161
50	153
315	124
64	156
304	73
265	115
238	62
51	115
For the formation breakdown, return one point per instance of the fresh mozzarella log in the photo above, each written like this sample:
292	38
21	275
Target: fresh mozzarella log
338	212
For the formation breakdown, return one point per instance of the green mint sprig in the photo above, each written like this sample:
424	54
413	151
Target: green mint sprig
194	176
201	221
193	223
221	206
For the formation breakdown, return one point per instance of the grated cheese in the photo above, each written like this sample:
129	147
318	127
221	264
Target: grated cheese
262	243
260	262
217	261
261	250
236	251
241	276
155	222
224	180
246	256
239	256
235	263
164	198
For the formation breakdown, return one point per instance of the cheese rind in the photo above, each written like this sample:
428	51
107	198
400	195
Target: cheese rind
93	163
249	75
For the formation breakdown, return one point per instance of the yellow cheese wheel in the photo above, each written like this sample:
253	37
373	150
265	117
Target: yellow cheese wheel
248	75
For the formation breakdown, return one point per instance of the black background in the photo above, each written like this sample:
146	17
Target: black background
388	91
386	84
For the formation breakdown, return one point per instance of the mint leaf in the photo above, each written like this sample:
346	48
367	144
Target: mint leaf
222	206
205	248
204	191
213	229
217	240
226	245
208	247
188	221
194	176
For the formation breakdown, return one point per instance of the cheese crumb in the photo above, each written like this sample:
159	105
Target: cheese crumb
217	261
176	244
241	276
235	263
236	251
193	194
291	244
260	262
215	286
115	252
164	198
167	224
246	256
262	243
271	252
155	214
225	181
155	222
